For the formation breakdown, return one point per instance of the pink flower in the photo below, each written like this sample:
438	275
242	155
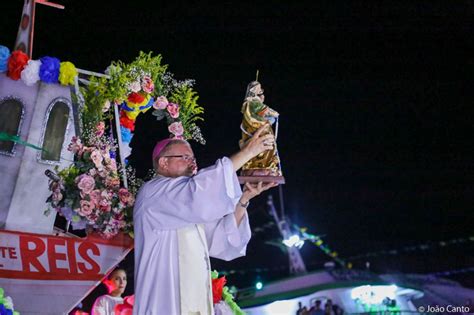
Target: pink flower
176	128
95	196
112	182
57	196
104	205
100	129
85	183
147	84
86	208
92	217
112	165
75	146
55	186
124	195
160	103
97	158
135	86
105	194
102	173
173	109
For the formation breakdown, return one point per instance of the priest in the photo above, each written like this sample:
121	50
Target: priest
182	217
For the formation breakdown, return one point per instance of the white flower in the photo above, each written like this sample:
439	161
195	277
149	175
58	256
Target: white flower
135	86
8	302
30	75
106	106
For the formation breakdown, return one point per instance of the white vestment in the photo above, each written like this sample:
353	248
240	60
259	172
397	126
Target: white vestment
179	223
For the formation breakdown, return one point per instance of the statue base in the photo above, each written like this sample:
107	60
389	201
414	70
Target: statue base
264	179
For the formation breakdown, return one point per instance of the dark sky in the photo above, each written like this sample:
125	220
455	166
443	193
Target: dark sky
375	100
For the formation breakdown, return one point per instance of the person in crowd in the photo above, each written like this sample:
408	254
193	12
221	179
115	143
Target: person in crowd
116	282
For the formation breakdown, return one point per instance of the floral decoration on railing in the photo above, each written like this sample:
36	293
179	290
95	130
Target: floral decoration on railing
18	66
89	193
6	304
223	300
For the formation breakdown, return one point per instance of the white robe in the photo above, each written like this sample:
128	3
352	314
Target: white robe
179	223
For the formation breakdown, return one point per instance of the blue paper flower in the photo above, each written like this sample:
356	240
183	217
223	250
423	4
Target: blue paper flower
49	70
79	225
126	134
4	55
67	213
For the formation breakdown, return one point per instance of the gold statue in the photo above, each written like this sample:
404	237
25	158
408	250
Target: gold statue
264	167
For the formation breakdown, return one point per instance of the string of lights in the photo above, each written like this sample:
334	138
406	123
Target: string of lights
414	248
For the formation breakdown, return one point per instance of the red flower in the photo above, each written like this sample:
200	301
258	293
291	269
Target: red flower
217	287
16	64
135	98
126	122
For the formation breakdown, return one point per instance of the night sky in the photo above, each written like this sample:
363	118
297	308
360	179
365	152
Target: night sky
376	112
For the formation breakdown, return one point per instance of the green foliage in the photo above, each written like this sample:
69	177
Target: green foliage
189	110
117	87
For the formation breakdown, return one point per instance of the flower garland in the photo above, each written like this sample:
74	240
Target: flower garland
136	88
223	300
49	70
6	304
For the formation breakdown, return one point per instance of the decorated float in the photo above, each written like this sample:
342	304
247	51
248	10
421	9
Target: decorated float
68	194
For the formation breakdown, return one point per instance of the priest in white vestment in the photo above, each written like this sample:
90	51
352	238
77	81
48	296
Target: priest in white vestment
184	216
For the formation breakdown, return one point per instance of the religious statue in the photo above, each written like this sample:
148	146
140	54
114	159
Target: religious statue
265	167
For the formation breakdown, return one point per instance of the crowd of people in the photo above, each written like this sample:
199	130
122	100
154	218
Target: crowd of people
317	309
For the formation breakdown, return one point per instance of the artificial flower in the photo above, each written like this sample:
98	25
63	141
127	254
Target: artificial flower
30	75
173	109
85	183
57	196
76	145
106	106
160	103
112	182
176	128
104	205
136	98
49	70
147	85
217	287
135	86
95	196
126	122
16	64
78	223
126	134
100	129
86	207
124	195
97	158
4	54
67	73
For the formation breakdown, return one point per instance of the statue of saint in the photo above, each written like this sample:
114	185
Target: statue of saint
264	167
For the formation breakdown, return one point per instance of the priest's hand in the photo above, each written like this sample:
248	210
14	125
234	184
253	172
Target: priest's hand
254	189
257	144
250	190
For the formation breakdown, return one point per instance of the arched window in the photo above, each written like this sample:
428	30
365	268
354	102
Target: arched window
11	111
55	131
